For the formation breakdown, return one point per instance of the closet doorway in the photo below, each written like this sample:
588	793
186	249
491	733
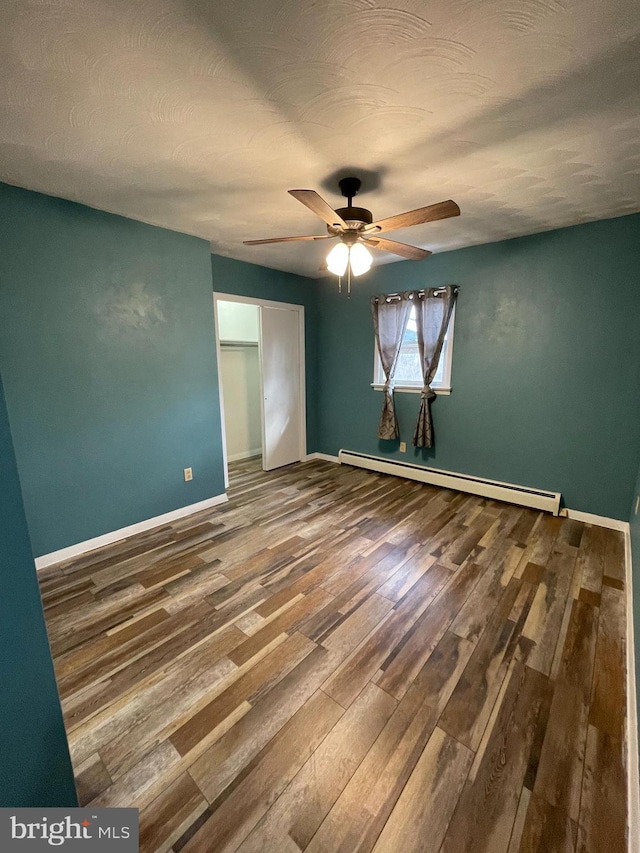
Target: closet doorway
260	348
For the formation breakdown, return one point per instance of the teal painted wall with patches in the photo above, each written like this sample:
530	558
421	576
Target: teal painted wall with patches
36	769
107	350
546	364
242	279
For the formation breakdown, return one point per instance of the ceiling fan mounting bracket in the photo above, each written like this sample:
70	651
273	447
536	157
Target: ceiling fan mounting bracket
350	187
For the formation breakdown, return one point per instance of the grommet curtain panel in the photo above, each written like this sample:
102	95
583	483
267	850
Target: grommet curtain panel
432	315
389	322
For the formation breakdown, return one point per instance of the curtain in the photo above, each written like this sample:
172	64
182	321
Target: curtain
433	315
390	315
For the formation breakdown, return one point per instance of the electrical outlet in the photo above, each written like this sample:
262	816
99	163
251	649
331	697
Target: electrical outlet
403	447
188	474
637	504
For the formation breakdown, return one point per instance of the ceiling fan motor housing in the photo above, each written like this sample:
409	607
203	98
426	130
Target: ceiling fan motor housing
355	215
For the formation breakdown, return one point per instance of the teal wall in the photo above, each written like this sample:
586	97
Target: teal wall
36	770
242	279
546	364
108	356
634	524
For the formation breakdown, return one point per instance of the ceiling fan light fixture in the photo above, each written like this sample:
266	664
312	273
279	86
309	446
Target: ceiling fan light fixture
360	259
338	258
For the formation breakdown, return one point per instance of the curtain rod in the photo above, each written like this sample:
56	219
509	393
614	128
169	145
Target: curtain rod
436	291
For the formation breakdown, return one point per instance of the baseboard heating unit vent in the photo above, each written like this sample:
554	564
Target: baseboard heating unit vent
521	495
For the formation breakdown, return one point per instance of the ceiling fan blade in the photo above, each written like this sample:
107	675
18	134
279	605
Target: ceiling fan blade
442	210
319	206
284	240
413	253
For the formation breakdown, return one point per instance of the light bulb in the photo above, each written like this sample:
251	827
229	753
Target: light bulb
360	259
337	259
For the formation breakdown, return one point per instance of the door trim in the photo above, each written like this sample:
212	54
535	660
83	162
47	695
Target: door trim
267	303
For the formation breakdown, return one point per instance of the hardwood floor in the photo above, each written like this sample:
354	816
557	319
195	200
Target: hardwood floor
337	660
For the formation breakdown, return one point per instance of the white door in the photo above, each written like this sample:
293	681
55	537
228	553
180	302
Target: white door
280	356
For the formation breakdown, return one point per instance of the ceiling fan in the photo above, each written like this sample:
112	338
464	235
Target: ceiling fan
355	228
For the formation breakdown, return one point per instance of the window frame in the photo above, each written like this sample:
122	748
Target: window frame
443	387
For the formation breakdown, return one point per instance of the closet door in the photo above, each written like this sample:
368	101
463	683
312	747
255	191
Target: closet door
280	358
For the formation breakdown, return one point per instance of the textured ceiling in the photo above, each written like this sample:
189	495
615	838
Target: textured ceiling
198	115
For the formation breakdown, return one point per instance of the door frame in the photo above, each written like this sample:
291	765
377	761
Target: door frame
267	303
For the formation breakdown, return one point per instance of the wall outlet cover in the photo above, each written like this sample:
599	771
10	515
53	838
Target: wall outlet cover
403	447
188	474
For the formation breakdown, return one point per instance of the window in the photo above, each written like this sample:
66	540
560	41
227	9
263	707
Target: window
408	371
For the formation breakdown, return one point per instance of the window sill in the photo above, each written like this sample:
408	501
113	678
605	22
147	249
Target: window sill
412	389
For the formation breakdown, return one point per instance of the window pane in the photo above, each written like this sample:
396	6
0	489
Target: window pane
411	332
437	379
408	369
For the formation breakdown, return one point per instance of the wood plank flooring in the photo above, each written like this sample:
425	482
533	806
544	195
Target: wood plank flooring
337	660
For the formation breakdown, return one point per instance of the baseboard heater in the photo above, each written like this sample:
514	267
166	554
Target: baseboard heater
521	495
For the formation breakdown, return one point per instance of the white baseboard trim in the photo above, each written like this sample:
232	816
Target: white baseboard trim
633	776
598	520
246	454
326	457
116	535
